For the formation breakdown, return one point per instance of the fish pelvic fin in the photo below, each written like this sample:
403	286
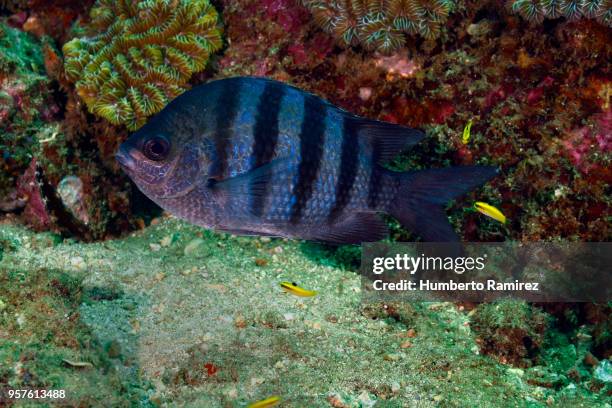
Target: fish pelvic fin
422	195
387	140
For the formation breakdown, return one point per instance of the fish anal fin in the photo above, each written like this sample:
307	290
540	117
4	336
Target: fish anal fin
354	229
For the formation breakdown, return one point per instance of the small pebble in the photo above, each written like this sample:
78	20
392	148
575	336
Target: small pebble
240	322
166	241
365	93
517	371
20	319
231	393
78	262
406	344
193	246
391	357
395	387
332	319
255	381
155	247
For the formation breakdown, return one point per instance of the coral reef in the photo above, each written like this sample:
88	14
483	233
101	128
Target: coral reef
527	88
538	10
45	18
26	103
140	55
88	318
379	24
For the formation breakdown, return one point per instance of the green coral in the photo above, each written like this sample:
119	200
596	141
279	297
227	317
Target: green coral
142	56
379	24
538	10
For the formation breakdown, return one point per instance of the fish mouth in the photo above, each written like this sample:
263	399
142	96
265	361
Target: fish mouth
125	159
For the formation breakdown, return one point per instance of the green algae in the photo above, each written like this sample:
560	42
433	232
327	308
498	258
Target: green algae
42	336
211	327
22	91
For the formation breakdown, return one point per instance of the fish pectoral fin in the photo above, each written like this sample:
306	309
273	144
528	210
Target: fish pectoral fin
387	139
253	183
354	229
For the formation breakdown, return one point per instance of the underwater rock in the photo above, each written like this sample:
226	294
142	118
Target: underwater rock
70	190
139	55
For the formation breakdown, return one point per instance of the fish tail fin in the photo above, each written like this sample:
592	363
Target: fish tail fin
422	195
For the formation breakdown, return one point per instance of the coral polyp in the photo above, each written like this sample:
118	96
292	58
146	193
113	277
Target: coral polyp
379	24
538	10
140	55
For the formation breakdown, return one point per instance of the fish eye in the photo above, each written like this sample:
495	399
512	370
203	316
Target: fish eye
156	148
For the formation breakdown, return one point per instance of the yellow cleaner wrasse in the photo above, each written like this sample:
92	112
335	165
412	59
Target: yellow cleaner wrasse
490	211
467	132
268	402
294	289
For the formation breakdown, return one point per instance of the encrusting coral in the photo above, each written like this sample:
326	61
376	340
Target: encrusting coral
538	10
140	55
379	24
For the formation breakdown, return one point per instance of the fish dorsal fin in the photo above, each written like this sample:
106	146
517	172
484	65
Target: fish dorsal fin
386	139
354	229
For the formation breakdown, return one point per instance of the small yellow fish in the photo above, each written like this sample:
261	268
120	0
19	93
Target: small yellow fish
490	211
294	289
467	132
268	402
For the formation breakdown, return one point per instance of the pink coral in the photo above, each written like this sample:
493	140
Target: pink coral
285	14
582	142
35	211
398	65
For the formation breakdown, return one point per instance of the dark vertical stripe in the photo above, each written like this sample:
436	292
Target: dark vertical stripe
376	174
225	113
265	137
312	134
349	161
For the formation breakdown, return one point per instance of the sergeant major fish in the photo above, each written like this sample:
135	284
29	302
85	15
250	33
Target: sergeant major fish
254	156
